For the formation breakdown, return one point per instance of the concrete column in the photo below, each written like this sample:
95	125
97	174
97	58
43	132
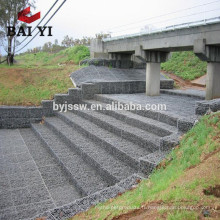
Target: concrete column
153	79
211	54
153	59
213	81
97	49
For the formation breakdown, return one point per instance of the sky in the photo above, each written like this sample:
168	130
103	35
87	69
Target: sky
119	17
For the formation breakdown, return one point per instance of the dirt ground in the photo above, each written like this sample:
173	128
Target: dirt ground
28	86
183	84
209	167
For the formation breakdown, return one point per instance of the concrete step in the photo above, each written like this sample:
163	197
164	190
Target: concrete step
138	136
83	176
109	167
57	182
150	125
118	147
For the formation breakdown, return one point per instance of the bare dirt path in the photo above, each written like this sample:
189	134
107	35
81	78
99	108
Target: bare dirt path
183	84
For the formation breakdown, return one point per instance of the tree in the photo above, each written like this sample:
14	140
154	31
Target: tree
67	41
47	47
9	17
102	35
56	42
84	41
56	47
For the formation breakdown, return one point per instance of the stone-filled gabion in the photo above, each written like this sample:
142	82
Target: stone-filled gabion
80	205
202	107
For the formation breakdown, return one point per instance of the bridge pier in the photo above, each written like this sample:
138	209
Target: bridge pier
154	59
153	79
213	81
211	54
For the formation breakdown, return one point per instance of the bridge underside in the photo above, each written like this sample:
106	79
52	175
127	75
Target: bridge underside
154	58
155	49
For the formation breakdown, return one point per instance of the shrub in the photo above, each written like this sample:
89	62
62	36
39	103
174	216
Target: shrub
185	65
77	53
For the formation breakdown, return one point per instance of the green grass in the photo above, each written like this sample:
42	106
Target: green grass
199	140
30	86
72	54
76	54
185	65
181	215
38	76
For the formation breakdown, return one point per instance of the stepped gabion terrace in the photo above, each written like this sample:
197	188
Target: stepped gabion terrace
55	164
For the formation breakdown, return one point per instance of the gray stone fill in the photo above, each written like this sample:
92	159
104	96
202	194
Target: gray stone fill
71	161
106	74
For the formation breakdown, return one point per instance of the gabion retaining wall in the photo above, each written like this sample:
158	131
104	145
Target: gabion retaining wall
22	117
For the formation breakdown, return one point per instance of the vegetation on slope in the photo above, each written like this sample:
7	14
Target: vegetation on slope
181	183
39	76
71	54
76	54
185	65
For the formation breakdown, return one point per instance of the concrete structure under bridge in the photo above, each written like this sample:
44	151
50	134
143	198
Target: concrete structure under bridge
154	48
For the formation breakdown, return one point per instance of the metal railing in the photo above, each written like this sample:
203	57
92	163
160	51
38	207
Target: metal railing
167	28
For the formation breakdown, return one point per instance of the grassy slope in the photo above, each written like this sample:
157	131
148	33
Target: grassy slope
186	65
38	77
73	55
178	181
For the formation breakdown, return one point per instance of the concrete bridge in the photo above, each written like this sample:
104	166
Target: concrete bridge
154	48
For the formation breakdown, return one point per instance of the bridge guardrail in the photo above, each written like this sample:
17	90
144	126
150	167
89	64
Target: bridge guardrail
168	28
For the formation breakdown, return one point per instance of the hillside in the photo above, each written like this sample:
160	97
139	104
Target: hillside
184	186
71	55
185	65
39	76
